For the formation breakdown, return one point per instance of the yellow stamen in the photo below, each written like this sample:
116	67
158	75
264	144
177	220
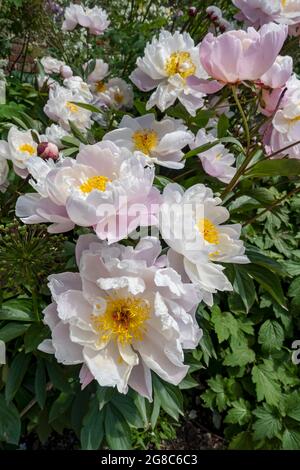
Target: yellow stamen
181	63
72	107
119	97
283	3
27	148
295	119
123	320
94	182
100	87
145	140
209	231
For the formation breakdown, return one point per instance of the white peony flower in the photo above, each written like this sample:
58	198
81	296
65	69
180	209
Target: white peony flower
116	93
79	88
160	141
61	109
94	19
54	134
216	161
19	147
52	65
279	73
190	223
99	73
167	63
125	314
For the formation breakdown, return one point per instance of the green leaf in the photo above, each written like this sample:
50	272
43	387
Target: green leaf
10	423
224	322
292	406
60	406
57	377
34	336
127	408
291	439
12	331
17	310
140	403
155	411
40	383
244	286
117	431
242	441
268	424
70	141
140	106
77	133
240	356
271	336
257	257
69	151
104	395
87	106
267	386
16	373
201	149
169	396
239	413
92	431
290	167
188	382
269	281
223	125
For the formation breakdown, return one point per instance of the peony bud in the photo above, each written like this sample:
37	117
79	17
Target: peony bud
66	71
48	150
192	11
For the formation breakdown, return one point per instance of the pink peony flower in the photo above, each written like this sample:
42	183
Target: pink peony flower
124	314
242	55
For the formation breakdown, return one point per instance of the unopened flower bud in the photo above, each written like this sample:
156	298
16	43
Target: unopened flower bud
66	71
48	150
192	11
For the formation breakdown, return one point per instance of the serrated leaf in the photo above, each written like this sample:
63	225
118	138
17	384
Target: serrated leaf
224	322
242	441
239	413
271	335
268	424
291	439
267	386
240	356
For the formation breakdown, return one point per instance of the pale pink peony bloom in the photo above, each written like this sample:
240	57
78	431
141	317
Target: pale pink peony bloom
99	73
116	94
236	56
125	314
257	12
279	73
105	187
66	71
52	65
94	19
217	161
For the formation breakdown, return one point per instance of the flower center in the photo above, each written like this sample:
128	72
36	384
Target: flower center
283	3
94	182
119	97
100	87
123	320
209	231
181	63
145	140
72	107
27	148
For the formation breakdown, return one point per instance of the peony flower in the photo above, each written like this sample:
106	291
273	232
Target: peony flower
19	147
279	73
190	223
242	55
52	65
79	88
66	71
116	93
3	174
105	187
54	134
216	161
94	19
98	74
257	12
124	314
160	141
167	63
61	109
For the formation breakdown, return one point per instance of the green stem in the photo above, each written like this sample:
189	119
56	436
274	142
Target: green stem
244	119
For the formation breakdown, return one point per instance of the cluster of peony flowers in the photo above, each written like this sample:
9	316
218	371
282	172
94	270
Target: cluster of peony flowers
131	307
94	19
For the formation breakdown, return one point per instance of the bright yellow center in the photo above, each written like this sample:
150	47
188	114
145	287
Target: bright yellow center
119	97
295	119
209	231
100	87
94	182
145	140
72	107
181	63
283	3
27	148
123	320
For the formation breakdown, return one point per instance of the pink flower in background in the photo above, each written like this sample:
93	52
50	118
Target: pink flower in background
257	12
106	187
124	314
94	19
279	73
242	55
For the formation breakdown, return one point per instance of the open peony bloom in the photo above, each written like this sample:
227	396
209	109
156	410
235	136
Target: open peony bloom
54	134
167	63
125	314
216	161
160	141
192	224
116	93
105	187
61	109
19	147
52	65
98	74
94	19
242	55
279	73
